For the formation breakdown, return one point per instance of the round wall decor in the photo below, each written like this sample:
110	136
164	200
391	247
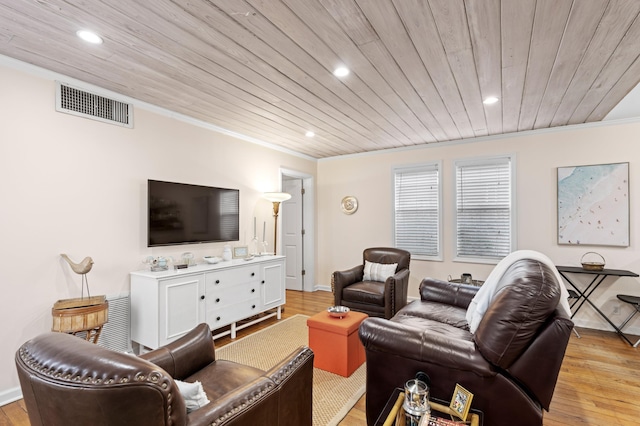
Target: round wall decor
349	204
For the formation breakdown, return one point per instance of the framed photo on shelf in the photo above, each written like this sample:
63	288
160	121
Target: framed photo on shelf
461	402
240	252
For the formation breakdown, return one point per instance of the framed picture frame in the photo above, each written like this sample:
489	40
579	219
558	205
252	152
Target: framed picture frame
461	402
593	205
240	252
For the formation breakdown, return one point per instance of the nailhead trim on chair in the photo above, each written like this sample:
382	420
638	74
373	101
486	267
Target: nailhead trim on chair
154	377
288	369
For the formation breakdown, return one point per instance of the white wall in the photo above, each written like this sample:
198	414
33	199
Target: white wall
78	186
369	177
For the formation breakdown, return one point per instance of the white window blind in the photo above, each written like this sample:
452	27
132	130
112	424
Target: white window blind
417	210
484	213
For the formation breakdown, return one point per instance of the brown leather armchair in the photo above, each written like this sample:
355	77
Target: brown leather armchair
67	381
375	298
511	363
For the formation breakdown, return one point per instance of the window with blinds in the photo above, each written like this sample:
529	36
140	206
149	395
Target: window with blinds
484	208
417	210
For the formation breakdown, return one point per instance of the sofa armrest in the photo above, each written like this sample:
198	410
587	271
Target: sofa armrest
423	346
554	334
341	279
396	289
294	378
447	292
186	355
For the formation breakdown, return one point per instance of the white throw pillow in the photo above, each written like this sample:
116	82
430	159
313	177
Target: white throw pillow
378	271
193	394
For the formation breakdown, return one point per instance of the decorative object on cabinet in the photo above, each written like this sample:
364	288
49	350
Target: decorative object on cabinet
211	259
593	205
157	264
226	253
188	258
349	204
240	252
276	198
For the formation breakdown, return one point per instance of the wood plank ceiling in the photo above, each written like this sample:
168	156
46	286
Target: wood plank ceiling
419	69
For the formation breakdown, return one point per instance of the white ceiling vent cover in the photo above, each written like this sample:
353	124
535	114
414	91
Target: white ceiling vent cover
76	101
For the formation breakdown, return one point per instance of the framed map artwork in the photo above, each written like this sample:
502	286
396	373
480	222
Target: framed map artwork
593	205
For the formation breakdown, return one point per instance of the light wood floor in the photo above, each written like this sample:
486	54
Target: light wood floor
599	383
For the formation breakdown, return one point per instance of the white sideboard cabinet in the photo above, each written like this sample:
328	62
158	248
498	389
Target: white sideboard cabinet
165	305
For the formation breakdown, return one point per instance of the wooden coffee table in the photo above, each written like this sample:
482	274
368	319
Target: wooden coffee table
393	414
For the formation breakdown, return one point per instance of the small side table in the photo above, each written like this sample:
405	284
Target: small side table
335	342
393	413
75	316
583	295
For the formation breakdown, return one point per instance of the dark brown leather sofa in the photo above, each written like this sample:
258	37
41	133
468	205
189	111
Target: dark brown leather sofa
374	298
510	364
67	381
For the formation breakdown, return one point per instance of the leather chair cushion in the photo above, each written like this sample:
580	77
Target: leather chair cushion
369	292
518	312
221	377
435	328
447	314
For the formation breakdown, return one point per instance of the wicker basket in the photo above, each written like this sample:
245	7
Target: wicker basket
592	266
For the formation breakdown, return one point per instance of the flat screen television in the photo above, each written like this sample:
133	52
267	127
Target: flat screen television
179	213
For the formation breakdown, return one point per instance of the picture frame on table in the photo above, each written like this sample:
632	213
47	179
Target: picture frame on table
240	252
461	402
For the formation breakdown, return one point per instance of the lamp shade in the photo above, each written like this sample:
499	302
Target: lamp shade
276	197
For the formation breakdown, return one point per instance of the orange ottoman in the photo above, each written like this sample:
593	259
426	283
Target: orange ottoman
335	342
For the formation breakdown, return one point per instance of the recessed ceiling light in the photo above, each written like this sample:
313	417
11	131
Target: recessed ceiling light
341	72
490	100
309	134
89	37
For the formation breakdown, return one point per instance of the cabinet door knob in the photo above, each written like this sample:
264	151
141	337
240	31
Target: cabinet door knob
253	306
217	281
253	274
253	290
202	297
217	318
262	281
217	300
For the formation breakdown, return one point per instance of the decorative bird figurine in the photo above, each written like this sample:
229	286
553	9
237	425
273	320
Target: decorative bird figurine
79	268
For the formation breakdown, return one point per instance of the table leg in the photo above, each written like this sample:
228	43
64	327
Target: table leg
588	291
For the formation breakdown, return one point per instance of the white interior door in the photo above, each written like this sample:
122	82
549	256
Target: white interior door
292	234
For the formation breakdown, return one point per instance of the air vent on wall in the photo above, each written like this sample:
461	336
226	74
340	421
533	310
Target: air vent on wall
75	101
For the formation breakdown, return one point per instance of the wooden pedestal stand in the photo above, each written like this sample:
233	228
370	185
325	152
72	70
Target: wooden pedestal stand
74	316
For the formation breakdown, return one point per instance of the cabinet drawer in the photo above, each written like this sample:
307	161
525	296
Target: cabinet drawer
231	295
225	278
225	315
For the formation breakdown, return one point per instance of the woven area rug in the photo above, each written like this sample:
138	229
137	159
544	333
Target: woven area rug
333	395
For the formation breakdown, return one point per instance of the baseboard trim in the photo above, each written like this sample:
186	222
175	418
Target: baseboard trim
10	395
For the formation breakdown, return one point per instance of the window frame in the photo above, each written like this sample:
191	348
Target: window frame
427	166
479	161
